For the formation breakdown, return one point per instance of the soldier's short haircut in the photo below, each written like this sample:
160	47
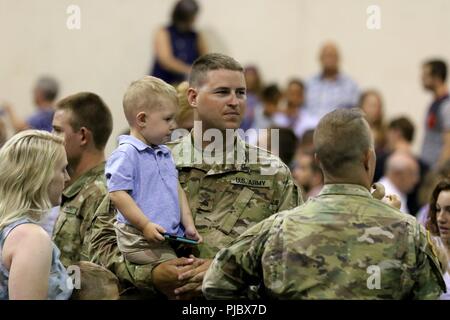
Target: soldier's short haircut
209	62
146	93
88	110
341	138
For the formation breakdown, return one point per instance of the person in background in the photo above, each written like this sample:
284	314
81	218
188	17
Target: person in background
178	45
294	115
270	97
281	142
307	174
44	95
438	223
436	144
401	176
371	103
430	181
330	89
399	137
254	87
33	173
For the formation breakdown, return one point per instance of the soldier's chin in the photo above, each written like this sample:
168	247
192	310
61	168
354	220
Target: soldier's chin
232	125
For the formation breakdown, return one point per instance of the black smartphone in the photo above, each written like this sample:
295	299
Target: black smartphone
180	239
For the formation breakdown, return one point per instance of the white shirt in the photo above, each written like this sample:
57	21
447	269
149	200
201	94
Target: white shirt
390	188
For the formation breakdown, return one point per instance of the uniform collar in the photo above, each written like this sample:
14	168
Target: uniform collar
76	187
141	146
345	189
187	155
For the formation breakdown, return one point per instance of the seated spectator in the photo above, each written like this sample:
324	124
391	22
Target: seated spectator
271	97
372	104
399	137
285	143
33	172
45	93
330	89
306	142
295	116
438	223
429	183
308	174
254	86
401	176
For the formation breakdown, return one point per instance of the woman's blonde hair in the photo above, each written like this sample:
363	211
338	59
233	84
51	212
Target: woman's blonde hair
27	163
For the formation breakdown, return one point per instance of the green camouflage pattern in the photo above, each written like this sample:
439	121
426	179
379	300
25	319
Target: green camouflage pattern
228	198
102	249
79	202
330	248
84	231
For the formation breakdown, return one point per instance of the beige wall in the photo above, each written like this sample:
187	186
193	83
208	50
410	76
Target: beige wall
113	46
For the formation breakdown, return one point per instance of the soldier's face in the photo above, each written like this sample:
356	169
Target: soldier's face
60	177
221	100
72	139
443	215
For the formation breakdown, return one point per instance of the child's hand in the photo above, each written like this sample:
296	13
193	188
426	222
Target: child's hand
152	232
192	233
393	200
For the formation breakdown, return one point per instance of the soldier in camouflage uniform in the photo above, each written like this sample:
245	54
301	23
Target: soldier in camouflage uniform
84	228
85	122
237	185
343	244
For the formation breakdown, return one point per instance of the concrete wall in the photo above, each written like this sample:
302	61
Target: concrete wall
113	46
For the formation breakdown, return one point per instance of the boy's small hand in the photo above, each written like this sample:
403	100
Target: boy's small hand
153	232
192	233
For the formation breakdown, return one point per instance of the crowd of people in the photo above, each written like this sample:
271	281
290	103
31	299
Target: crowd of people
287	213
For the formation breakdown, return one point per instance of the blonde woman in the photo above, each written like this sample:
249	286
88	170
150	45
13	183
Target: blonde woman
32	174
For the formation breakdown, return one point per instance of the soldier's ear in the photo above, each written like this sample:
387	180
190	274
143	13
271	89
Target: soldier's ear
369	160
85	135
192	96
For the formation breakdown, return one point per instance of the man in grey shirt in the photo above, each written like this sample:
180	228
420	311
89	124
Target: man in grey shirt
436	144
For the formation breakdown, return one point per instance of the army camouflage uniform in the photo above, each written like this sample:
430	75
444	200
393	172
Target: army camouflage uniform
228	198
84	230
79	203
343	244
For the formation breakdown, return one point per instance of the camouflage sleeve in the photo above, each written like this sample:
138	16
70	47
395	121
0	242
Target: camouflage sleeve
103	250
288	193
428	274
238	267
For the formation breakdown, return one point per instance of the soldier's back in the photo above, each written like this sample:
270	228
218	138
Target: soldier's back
346	245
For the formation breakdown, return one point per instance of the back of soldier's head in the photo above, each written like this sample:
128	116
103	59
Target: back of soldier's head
88	110
341	139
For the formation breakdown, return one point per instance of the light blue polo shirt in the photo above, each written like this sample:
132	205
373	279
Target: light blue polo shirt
150	176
